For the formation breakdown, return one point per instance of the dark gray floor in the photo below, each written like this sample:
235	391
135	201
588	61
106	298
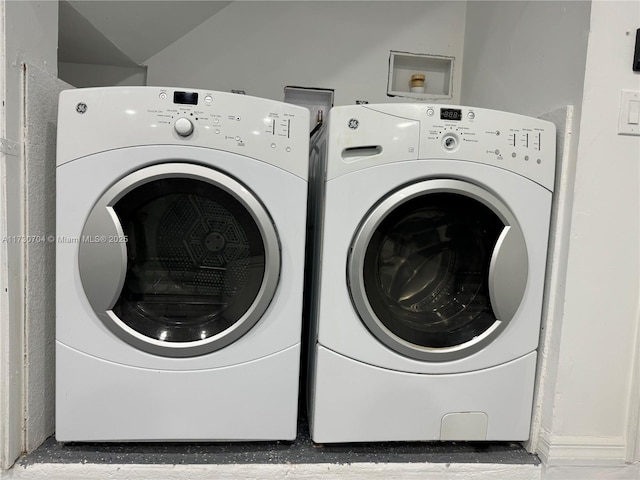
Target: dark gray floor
302	450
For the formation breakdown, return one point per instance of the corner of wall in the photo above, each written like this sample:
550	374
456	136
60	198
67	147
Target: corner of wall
553	302
41	91
28	32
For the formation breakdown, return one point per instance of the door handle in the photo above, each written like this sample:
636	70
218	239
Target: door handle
355	153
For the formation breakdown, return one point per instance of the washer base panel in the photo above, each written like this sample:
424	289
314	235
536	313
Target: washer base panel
97	400
356	402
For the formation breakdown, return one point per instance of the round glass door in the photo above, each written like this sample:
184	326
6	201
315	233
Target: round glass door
200	266
420	270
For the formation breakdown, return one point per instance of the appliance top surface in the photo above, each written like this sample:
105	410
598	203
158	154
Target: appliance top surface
92	120
363	136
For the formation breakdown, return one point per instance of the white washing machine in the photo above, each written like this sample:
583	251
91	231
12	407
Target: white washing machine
434	244
179	262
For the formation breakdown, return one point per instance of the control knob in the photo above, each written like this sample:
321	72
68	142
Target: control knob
184	127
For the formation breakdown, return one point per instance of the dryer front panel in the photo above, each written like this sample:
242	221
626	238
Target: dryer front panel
179	259
422	269
106	184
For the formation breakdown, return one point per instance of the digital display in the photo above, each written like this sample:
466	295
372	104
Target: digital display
185	98
450	114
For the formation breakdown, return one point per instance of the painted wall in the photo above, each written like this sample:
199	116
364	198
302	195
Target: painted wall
40	93
525	56
93	75
29	35
599	328
261	47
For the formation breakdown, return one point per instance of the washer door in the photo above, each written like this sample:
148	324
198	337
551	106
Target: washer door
438	269
179	260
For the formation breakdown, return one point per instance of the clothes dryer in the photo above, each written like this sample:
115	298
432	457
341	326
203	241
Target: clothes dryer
434	244
180	253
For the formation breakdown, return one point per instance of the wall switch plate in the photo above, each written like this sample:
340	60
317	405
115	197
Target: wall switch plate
629	119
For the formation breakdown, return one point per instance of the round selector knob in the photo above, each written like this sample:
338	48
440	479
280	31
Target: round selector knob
184	127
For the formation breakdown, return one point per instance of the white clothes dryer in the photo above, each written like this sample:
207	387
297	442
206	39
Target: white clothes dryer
180	253
434	245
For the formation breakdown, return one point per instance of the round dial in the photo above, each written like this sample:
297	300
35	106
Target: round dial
184	127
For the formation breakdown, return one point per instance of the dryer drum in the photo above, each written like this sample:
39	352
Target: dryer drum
195	263
426	269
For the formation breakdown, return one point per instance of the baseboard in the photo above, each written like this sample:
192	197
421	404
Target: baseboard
559	450
618	472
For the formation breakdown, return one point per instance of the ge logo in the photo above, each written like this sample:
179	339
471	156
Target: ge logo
81	107
353	123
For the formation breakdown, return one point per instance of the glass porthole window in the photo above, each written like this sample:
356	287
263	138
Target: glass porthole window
195	260
201	262
420	271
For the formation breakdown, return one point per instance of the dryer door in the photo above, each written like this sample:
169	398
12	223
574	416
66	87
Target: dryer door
179	259
438	269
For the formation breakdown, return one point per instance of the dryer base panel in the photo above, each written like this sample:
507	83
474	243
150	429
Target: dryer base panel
100	401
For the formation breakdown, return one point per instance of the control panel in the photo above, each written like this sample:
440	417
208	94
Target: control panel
118	117
191	112
376	134
365	136
188	114
521	144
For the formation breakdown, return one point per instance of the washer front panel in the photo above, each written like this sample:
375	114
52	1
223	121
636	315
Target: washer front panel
420	269
202	263
515	200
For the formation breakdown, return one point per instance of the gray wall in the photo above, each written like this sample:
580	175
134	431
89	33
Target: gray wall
526	57
93	75
261	47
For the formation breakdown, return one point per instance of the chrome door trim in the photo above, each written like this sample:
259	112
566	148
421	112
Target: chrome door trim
508	273
103	274
497	289
102	260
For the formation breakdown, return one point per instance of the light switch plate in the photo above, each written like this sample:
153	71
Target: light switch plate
629	117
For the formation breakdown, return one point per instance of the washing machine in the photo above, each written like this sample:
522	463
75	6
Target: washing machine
433	252
179	265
